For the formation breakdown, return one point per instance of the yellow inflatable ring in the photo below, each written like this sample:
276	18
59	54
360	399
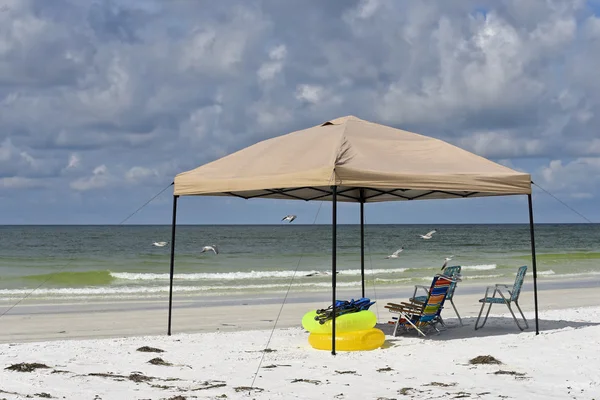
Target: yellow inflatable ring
368	339
358	321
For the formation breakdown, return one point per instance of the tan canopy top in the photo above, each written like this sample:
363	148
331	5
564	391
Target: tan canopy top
367	162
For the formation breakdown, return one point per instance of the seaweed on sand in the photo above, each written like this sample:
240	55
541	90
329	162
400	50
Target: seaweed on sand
159	361
484	360
26	367
148	349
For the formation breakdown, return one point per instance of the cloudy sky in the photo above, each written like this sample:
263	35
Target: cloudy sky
102	103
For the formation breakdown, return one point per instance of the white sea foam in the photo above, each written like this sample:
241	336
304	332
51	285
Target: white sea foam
549	272
578	275
480	276
225	276
482	267
102	291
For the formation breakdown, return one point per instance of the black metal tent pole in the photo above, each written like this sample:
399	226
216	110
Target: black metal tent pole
535	296
362	240
173	225
333	262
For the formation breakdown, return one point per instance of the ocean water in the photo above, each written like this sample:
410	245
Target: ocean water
85	263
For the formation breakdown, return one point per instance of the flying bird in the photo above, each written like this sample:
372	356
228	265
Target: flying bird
289	218
212	248
315	273
159	244
428	234
446	262
396	253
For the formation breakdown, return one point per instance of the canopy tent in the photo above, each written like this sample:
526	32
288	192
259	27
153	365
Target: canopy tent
352	160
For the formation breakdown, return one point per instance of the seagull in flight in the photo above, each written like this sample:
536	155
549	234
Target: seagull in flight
159	244
428	234
396	253
446	262
212	248
321	273
289	218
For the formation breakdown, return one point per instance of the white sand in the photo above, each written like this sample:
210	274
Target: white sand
560	363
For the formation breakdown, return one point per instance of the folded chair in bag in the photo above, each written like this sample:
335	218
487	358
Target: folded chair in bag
504	296
421	315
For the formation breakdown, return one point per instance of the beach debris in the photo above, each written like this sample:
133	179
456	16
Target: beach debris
513	373
209	385
484	360
277	365
405	391
386	369
164	387
313	381
159	361
137	377
440	384
26	367
178	397
248	389
461	395
221	396
148	349
345	372
134	376
44	395
7	392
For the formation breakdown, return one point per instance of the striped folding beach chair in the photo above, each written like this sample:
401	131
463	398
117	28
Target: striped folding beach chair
451	272
419	315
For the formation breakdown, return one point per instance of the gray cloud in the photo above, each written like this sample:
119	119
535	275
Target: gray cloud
139	91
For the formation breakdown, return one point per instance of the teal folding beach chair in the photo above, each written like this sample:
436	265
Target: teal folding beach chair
507	297
451	272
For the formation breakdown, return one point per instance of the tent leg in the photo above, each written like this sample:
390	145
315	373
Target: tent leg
362	240
333	263
535	296
174	224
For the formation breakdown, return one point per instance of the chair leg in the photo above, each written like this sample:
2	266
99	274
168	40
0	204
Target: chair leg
479	316
457	314
396	326
440	320
414	326
522	316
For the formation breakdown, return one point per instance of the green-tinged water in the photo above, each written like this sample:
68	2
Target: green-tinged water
115	262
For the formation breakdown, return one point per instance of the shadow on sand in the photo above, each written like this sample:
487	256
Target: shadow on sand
495	326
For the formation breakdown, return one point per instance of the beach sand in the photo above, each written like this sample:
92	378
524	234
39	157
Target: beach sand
218	352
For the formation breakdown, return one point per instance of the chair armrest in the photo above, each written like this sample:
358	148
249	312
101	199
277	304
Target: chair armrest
496	289
409	308
417	287
501	284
